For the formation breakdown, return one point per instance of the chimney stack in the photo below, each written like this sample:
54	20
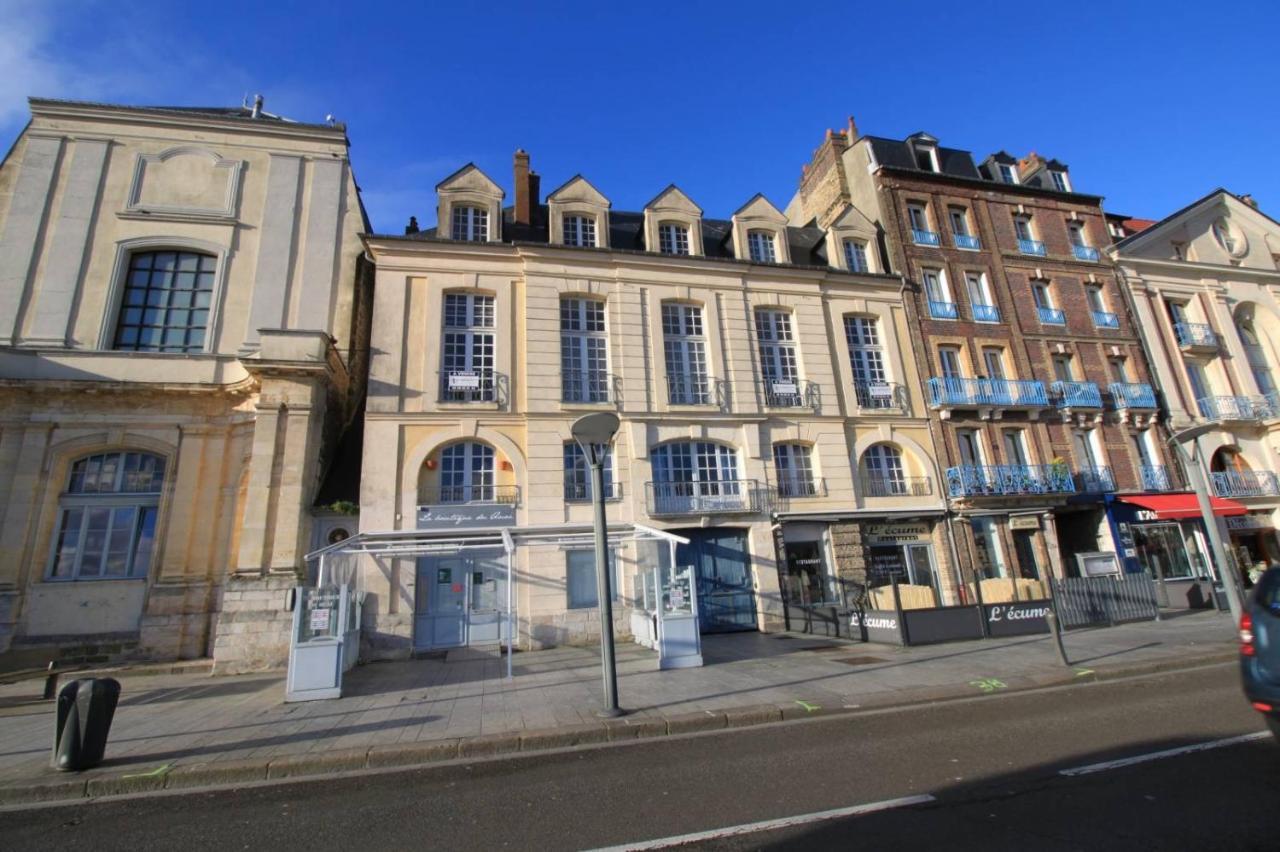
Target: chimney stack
257	107
1249	199
852	131
527	186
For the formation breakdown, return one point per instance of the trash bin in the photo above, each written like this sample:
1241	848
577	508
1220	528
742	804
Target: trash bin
85	710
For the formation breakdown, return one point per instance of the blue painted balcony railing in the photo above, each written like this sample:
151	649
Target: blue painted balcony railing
1095	480
1239	407
1008	393
1245	483
1031	247
983	480
1133	395
986	313
943	310
1195	334
1076	395
1052	316
968	241
925	238
1156	478
1085	253
1105	319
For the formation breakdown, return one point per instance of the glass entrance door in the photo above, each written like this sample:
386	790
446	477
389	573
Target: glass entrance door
486	597
726	594
441	606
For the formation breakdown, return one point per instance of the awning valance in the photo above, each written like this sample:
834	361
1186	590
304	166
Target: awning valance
1173	507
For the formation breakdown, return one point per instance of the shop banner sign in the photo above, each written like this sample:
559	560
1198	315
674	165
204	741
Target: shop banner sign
895	533
876	625
1249	522
1024	522
1017	619
455	517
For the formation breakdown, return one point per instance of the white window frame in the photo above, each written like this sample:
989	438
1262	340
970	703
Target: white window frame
470	467
918	216
469	346
1060	180
472	224
584	349
577	474
578	230
959	218
856	256
793	467
674	238
1008	173
684	346
762	246
1021	223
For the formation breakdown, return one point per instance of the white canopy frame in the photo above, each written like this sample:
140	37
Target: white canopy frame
414	543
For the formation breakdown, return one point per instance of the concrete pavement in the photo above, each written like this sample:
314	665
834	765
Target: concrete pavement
193	730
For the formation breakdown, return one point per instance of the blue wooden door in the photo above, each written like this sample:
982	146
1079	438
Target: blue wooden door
726	594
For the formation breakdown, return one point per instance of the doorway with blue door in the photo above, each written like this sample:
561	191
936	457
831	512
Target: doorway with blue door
459	600
726	589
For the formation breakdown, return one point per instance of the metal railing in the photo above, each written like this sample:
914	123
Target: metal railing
1155	477
1239	407
798	486
951	392
1245	483
1085	253
791	393
985	313
1076	394
475	385
580	492
996	479
702	498
1133	395
1031	247
968	241
1105	319
586	386
453	494
1195	334
943	310
880	396
888	485
925	238
689	390
1081	601
1051	316
1095	480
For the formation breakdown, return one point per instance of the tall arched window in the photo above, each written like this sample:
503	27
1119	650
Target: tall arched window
1256	355
695	476
167	299
107	517
883	472
793	465
466	473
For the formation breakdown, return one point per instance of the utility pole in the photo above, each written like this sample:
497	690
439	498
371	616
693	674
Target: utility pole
1191	464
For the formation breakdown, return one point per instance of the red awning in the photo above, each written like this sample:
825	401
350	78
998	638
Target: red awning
1172	507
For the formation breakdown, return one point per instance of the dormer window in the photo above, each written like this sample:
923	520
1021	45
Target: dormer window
927	159
1179	251
1008	173
580	231
673	238
760	246
1060	181
470	224
855	256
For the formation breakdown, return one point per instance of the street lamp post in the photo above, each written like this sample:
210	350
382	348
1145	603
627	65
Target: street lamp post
1191	464
594	433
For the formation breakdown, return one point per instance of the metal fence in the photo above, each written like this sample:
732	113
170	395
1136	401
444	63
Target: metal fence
1085	601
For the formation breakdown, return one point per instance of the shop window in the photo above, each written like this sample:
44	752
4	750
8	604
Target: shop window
580	578
986	543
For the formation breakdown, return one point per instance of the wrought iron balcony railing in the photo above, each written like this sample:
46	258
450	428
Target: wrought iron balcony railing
1031	247
943	310
580	492
800	486
1239	408
1155	478
586	386
1000	479
1085	253
880	396
888	485
455	494
704	498
1051	316
1245	483
1105	319
1006	393
985	313
791	393
1076	395
1195	335
688	389
968	242
925	238
1133	395
1095	480
473	385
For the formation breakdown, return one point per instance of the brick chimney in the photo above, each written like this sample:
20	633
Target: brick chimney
528	188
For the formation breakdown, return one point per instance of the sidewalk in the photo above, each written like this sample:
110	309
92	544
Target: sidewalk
192	730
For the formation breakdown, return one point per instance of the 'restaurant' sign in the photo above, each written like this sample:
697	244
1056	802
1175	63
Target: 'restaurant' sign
894	533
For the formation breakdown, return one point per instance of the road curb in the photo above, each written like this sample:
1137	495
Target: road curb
61	788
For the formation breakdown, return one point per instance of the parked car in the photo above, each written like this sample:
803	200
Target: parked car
1260	648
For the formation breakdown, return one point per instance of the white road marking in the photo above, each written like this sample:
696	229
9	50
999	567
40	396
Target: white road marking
770	824
1160	755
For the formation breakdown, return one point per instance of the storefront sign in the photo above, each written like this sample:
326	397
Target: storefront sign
1249	522
464	381
466	516
1018	619
1024	522
876	626
894	533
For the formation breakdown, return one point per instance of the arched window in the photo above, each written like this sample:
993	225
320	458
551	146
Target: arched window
1256	355
107	517
761	247
167	298
577	475
883	472
793	465
466	473
696	476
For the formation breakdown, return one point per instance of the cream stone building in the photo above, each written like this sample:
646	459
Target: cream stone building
1204	284
771	411
180	347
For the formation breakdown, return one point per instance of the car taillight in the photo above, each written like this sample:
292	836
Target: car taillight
1246	635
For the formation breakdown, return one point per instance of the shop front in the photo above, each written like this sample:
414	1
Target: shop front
1253	541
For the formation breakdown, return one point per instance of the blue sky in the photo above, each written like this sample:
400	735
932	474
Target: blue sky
1150	104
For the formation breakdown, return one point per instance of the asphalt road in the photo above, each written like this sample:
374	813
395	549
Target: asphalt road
992	765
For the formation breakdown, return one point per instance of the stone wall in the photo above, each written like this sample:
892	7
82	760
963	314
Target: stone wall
253	627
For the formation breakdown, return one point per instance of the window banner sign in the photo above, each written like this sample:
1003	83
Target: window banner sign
464	381
894	533
876	625
464	516
1017	619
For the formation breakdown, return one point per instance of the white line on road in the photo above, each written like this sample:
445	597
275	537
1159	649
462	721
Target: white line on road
1159	755
770	824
